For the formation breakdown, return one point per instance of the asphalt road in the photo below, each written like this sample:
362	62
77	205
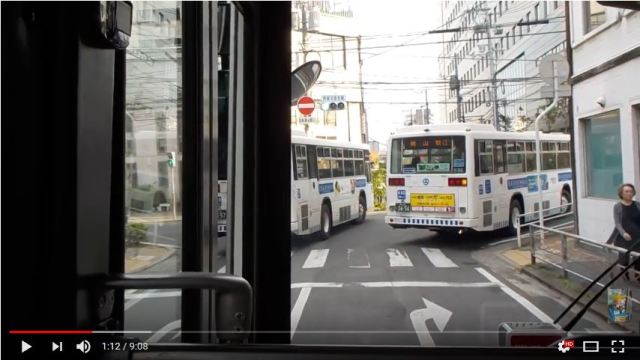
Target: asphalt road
372	285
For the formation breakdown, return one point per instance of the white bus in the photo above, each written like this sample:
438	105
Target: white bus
456	177
330	185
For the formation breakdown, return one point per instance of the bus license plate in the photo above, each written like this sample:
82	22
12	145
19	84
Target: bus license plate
432	200
403	207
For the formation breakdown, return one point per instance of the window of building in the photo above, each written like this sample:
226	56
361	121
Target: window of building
500	7
520	30
594	15
536	10
545	10
603	154
508	41
528	21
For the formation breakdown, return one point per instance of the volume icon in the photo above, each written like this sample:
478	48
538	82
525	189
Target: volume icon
84	346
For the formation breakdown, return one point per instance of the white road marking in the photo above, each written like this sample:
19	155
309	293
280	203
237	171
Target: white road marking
136	298
170	327
359	260
396	284
296	312
316	259
223	269
398	258
291	253
517	297
438	259
419	319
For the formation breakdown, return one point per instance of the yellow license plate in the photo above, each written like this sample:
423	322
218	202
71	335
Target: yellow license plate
433	200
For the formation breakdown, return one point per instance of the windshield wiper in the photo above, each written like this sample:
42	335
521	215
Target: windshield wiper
576	318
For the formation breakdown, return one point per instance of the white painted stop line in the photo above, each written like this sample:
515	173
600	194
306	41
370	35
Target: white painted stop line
438	259
316	259
398	258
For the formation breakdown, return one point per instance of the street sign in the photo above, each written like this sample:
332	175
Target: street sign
305	120
547	74
306	105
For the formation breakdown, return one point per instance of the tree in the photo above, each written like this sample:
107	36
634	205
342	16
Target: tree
504	123
379	182
556	119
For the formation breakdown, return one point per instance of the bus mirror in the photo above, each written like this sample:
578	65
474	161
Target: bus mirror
303	78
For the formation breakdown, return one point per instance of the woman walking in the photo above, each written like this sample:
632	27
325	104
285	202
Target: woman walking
626	234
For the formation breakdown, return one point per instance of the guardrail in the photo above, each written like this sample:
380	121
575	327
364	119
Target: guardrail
520	220
534	228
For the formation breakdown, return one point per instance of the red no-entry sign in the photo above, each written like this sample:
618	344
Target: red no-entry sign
306	105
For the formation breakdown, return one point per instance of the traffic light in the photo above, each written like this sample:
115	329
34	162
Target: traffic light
336	106
172	159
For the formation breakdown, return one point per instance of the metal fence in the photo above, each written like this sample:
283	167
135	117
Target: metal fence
538	250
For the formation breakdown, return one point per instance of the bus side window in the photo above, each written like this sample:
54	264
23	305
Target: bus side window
324	163
484	157
499	155
301	162
313	161
293	161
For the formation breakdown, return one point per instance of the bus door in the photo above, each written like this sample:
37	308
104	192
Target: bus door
491	183
305	183
498	185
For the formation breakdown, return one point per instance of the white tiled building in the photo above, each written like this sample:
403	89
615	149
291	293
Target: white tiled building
606	105
518	50
332	40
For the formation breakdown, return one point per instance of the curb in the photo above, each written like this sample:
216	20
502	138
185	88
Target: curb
596	308
171	252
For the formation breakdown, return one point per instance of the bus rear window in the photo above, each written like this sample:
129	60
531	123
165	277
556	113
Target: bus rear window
428	155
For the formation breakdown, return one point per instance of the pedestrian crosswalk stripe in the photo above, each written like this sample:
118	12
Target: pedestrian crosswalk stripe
398	258
358	259
438	259
316	259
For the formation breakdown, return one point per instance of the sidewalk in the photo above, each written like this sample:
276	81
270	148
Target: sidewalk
164	216
144	256
584	263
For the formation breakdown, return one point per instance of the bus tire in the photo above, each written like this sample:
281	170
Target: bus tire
515	209
565	198
362	210
325	222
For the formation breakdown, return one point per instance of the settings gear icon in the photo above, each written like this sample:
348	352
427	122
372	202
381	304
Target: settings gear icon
562	348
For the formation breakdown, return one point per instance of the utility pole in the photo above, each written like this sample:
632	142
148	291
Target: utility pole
493	67
304	33
425	116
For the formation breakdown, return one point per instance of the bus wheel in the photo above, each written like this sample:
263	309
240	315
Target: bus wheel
515	210
325	222
564	200
362	210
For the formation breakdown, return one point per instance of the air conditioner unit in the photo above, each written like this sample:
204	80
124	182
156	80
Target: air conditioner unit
313	19
497	31
296	17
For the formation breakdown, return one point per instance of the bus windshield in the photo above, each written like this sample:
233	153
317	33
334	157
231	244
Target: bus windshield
428	155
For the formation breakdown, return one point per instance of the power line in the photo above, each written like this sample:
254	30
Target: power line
417	44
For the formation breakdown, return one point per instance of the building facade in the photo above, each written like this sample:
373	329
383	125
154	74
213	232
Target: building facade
505	39
153	109
606	107
324	31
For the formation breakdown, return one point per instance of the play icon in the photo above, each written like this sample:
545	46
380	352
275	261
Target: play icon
25	346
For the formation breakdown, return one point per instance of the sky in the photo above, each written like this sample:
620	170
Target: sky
395	20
